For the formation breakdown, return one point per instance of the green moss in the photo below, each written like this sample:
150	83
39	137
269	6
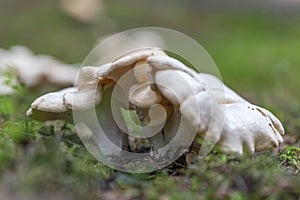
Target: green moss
7	151
290	156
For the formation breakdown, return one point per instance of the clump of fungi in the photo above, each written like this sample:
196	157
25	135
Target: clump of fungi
163	91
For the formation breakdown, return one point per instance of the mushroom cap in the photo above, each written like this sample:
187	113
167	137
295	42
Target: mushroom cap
134	56
126	62
176	85
83	99
199	109
52	102
67	99
165	62
249	126
88	77
32	70
51	106
220	92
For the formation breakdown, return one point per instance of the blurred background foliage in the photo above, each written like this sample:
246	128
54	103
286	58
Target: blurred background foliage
256	46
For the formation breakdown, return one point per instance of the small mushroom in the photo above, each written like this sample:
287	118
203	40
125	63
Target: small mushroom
87	95
52	102
32	70
51	106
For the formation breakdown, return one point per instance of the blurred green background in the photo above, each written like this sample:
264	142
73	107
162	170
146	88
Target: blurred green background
256	46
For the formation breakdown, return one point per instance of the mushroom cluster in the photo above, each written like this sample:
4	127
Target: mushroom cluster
32	70
162	90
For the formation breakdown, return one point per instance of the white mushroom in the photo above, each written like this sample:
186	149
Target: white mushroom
201	103
87	95
52	102
163	62
249	128
51	106
89	92
199	107
32	70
